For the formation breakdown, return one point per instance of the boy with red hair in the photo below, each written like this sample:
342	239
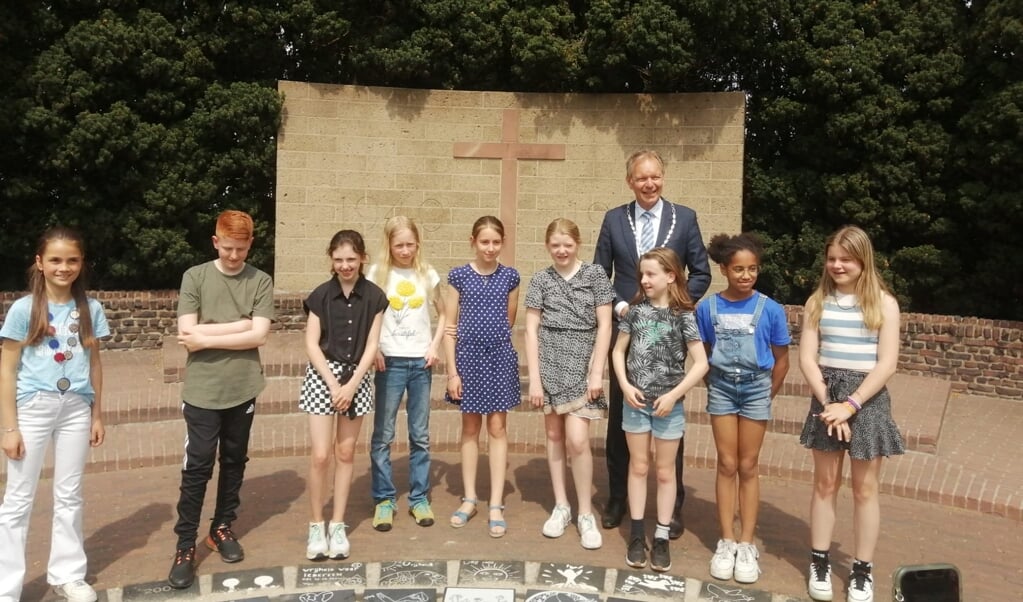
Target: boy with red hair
224	314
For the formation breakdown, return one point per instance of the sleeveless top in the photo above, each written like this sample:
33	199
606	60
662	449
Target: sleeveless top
845	340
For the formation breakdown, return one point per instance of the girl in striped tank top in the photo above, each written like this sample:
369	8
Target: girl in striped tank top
848	350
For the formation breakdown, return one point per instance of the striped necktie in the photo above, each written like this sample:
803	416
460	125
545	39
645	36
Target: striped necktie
646	239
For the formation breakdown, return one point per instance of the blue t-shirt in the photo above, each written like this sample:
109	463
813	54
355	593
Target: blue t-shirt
38	371
772	329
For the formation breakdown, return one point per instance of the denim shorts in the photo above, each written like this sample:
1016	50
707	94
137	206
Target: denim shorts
747	394
672	426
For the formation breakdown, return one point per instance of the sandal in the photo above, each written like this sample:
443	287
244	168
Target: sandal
459	518
497	527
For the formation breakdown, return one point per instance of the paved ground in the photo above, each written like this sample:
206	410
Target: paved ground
953	498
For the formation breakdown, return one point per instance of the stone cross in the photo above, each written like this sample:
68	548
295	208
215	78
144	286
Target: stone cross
509	150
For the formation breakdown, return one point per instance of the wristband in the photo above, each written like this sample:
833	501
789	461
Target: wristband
854	404
13	430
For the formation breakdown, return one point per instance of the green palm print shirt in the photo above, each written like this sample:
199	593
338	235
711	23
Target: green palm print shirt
656	361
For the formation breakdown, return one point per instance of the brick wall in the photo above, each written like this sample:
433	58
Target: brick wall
975	355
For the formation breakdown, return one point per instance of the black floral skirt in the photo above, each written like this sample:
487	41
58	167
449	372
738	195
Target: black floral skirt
874	433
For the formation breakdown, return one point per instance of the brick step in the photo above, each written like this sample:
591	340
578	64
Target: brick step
915	475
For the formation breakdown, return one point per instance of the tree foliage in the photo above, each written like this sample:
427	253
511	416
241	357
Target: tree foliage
904	117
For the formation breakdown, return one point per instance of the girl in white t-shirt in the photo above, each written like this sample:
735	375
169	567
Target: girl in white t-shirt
408	350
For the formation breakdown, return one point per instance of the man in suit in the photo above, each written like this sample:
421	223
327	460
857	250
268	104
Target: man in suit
627	232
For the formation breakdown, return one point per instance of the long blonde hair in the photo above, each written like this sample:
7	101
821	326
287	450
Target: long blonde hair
392	227
870	287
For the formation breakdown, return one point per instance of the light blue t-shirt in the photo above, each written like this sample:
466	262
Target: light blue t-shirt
38	370
772	329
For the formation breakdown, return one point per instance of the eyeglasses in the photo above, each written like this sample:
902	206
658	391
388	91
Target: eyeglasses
752	270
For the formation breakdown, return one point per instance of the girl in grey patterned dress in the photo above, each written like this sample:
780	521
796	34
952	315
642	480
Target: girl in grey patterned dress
848	350
568	333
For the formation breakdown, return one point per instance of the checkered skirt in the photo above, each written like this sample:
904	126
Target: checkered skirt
315	395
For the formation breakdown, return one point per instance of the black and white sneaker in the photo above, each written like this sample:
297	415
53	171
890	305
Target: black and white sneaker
861	587
660	556
636	556
819	583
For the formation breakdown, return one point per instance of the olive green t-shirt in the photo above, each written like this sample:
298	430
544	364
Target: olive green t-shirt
217	379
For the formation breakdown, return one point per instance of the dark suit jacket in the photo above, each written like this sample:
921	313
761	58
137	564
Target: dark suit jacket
616	249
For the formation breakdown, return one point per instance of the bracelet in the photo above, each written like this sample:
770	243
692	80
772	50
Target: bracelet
13	430
854	404
852	408
453	376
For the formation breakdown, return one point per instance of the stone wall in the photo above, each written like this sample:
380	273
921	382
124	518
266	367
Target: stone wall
976	355
352	156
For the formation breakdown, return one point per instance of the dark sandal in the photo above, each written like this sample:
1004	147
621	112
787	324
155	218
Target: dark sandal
458	518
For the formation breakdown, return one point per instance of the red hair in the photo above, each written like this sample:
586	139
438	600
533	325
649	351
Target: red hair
234	224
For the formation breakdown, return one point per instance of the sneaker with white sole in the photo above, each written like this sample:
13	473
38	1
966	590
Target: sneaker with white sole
819	583
76	591
338	547
589	535
316	545
722	564
861	587
747	569
561	517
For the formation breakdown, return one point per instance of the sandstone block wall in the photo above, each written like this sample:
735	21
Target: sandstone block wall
350	157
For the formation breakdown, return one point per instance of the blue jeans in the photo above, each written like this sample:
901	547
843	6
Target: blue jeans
402	374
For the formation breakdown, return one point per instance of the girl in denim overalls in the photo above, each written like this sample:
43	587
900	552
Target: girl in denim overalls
746	336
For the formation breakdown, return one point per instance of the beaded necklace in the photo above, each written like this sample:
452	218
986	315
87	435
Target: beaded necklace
631	208
70	346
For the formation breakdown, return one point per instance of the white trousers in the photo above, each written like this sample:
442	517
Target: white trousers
66	420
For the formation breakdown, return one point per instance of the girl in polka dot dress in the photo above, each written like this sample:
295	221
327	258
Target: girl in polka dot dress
482	365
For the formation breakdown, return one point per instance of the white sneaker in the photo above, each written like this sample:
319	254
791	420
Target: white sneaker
316	545
589	535
722	563
76	591
560	518
819	583
861	588
747	569
338	546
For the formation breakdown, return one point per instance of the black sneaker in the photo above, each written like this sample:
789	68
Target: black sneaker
182	572
221	539
636	556
660	556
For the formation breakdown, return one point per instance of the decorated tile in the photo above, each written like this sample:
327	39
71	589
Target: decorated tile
720	592
578	577
344	575
159	590
411	573
479	594
339	595
248	580
400	595
550	595
491	571
650	585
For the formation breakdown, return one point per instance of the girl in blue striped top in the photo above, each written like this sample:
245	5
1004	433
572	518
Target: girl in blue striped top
848	350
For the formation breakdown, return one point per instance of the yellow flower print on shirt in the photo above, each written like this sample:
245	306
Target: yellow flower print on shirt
404	300
405	288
